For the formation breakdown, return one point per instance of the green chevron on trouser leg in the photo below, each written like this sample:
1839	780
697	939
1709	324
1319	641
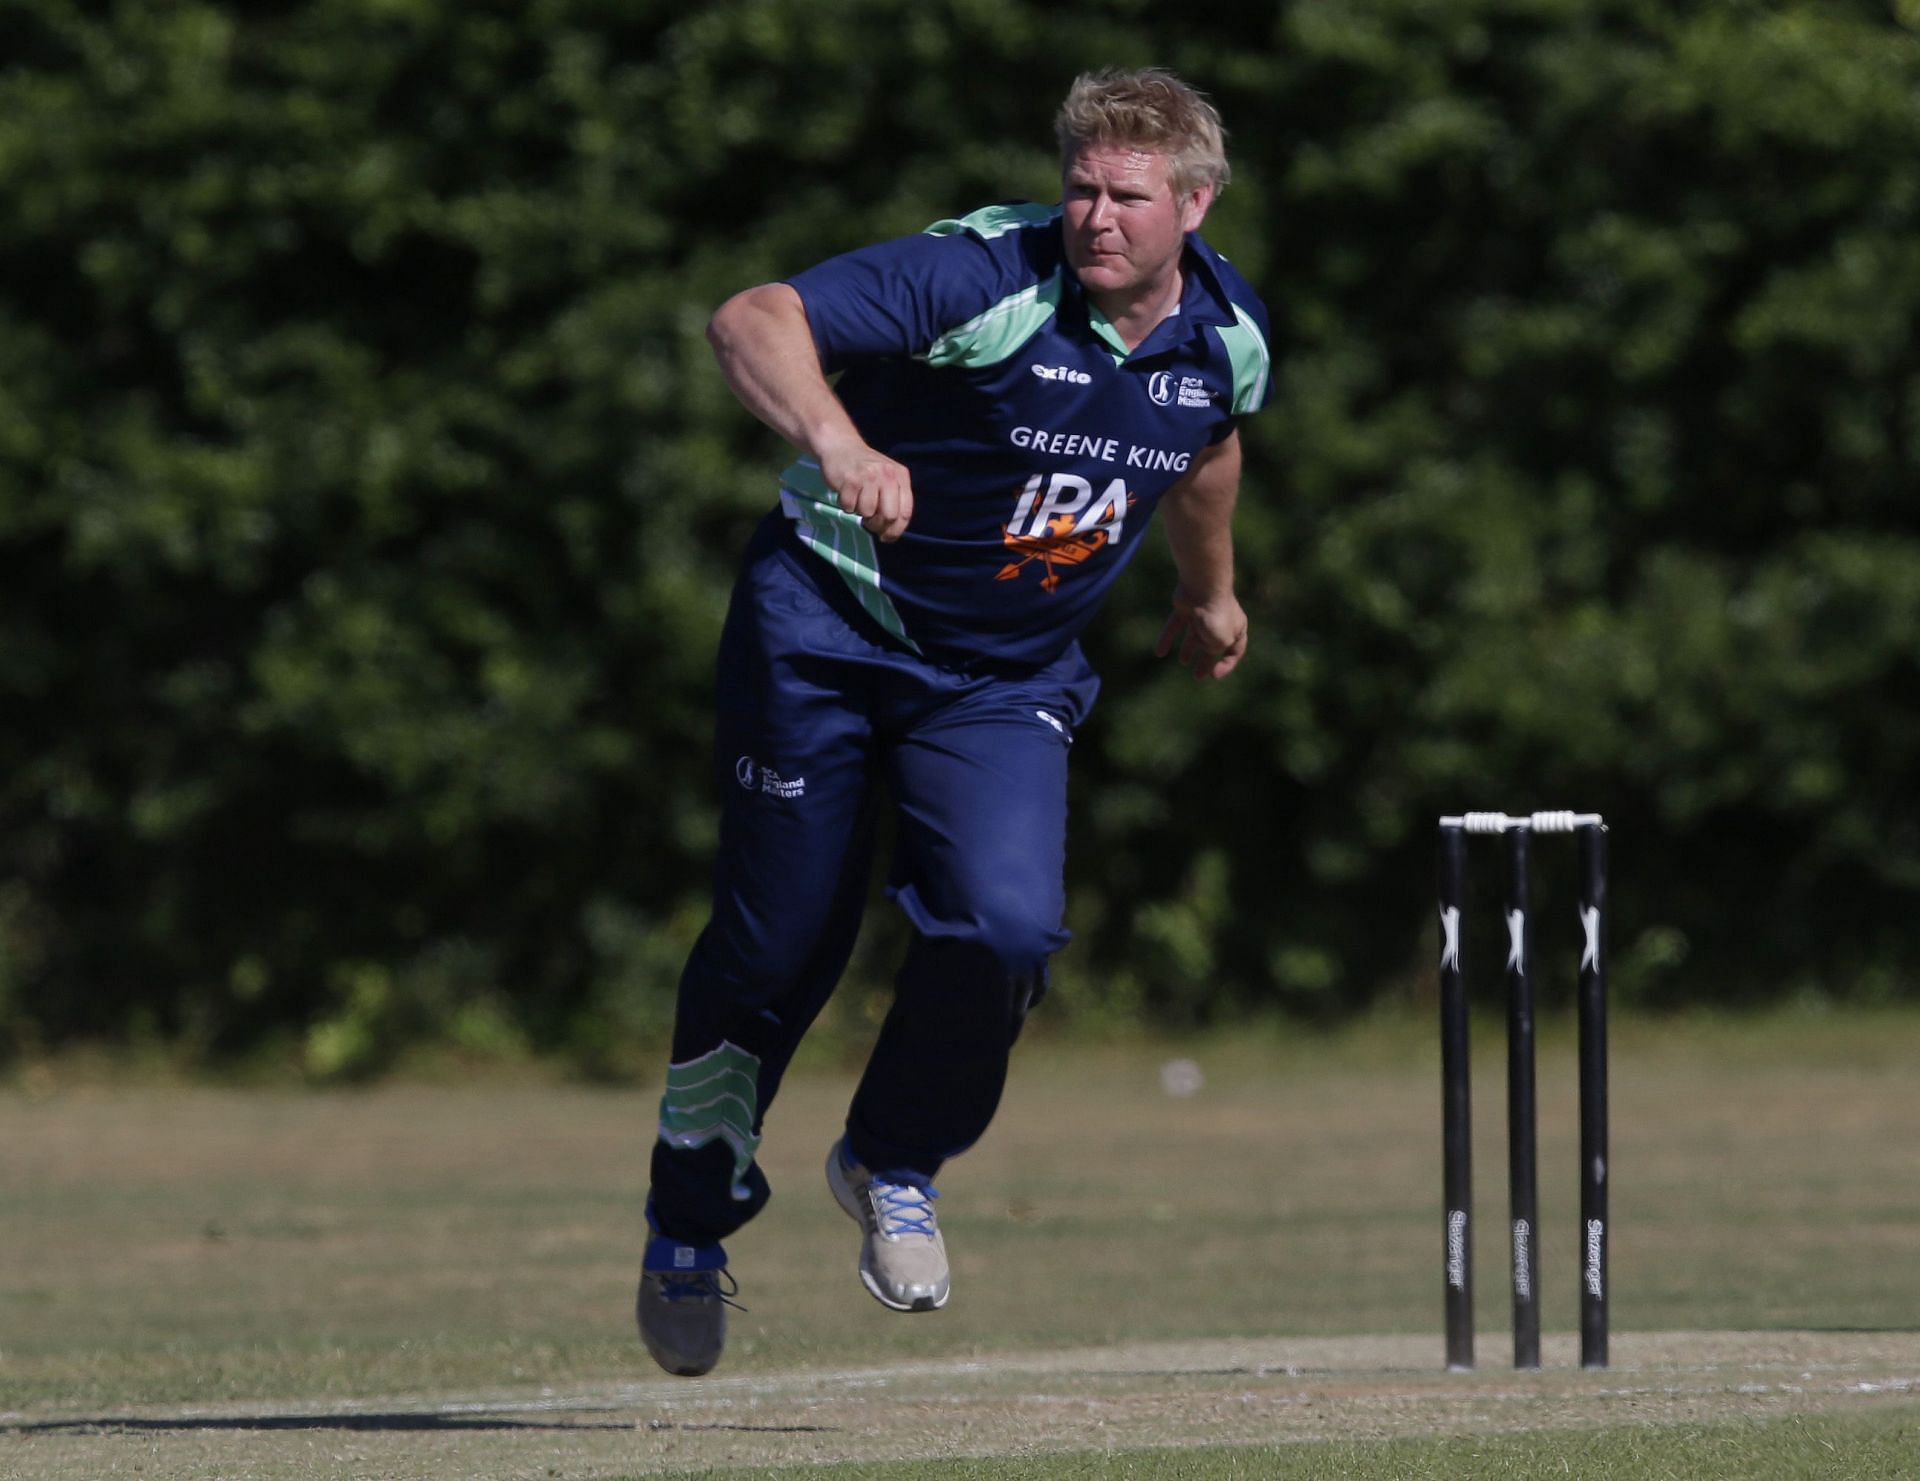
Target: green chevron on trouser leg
715	1098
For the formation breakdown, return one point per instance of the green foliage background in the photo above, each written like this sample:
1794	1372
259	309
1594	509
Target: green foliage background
368	499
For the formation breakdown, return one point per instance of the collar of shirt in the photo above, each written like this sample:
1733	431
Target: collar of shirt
1203	302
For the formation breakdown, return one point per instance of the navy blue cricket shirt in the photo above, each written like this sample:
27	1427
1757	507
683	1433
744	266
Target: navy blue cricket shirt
1037	443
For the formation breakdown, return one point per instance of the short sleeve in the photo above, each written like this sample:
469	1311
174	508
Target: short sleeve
898	297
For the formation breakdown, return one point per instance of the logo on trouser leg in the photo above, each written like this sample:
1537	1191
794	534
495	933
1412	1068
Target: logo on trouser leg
754	777
715	1098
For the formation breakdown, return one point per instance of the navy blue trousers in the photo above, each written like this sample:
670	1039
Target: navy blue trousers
822	720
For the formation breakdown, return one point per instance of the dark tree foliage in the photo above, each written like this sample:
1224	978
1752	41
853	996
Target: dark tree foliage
368	499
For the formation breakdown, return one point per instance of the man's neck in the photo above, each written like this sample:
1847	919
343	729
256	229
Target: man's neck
1137	314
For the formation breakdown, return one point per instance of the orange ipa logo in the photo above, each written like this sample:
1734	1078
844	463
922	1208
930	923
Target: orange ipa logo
1062	527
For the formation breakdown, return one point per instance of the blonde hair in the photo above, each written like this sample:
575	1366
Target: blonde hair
1149	109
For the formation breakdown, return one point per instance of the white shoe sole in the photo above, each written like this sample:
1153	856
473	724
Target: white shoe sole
849	1201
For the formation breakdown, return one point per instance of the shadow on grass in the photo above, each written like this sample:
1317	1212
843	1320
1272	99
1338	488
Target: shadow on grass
375	1423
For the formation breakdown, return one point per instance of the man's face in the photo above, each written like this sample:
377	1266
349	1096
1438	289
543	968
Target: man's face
1124	226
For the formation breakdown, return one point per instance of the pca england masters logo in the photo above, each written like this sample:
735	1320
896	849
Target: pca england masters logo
754	777
1166	388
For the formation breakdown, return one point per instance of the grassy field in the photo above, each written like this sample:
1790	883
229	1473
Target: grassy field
433	1280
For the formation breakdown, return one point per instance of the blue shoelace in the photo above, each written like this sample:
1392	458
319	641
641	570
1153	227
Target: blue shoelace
904	1209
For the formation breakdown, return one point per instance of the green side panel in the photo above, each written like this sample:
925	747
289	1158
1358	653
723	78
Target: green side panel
1247	352
996	221
840	540
997	332
715	1098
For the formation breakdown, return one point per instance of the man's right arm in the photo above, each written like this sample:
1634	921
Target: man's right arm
766	352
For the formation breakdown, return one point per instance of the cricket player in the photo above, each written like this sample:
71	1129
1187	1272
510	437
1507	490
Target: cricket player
1018	392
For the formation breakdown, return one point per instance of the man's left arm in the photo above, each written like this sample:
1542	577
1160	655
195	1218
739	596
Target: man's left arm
1207	621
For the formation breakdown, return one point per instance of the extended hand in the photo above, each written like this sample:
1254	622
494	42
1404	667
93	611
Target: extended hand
873	486
1212	634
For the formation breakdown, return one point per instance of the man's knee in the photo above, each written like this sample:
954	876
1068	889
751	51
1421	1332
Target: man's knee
1019	926
1005	918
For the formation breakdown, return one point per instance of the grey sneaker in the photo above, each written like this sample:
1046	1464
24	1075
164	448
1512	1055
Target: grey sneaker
903	1259
682	1306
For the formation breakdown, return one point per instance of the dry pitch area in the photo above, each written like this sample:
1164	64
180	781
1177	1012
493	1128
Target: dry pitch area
1118	1398
420	1281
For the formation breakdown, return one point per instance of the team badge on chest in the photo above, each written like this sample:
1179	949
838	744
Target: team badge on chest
1061	522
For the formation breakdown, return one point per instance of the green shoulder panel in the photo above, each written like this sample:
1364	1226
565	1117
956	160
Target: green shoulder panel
995	221
999	330
1247	352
